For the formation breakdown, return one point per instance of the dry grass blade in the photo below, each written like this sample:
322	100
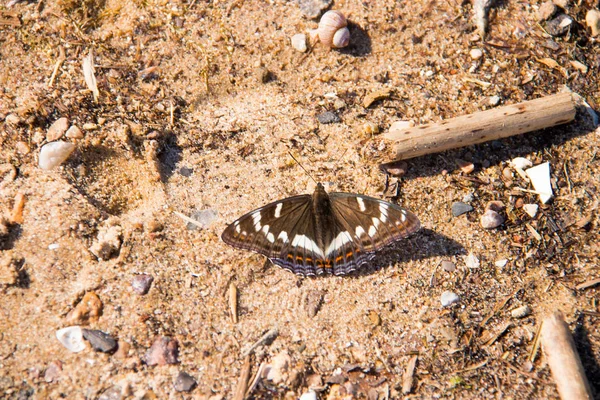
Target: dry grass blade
255	380
407	379
89	74
240	390
588	284
233	303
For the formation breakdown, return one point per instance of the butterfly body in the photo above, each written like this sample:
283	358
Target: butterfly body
322	233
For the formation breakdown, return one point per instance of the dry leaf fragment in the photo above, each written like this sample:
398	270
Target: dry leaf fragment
376	96
89	74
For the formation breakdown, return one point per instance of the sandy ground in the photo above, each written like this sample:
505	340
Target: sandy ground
199	104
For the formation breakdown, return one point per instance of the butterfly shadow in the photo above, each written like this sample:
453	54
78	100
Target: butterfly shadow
424	244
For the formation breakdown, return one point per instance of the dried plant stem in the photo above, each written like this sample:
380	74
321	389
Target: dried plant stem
483	126
563	359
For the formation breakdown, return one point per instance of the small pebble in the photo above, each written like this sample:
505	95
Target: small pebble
369	129
53	371
99	340
521	312
494	100
299	42
448	266
310	395
495	205
541	181
204	218
89	126
55	153
312	9
520	162
519	202
396	169
546	11
277	370
400	126
328	117
164	350
186	171
87	310
476	54
13	119
491	219
448	298
467	198
374	318
460	208
72	338
141	283
465	166
314	300
57	129
74	133
592	20
501	263
531	209
22	147
507	174
559	25
471	261
108	242
184	382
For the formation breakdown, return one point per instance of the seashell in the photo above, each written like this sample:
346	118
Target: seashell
72	338
55	153
333	30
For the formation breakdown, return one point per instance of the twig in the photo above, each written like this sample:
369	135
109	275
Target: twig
407	378
266	338
483	126
240	390
563	359
61	59
255	380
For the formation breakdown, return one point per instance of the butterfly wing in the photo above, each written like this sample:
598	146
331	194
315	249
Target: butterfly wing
364	225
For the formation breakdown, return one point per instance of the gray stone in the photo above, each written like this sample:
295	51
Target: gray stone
141	283
491	219
184	382
559	25
328	117
312	9
460	208
100	341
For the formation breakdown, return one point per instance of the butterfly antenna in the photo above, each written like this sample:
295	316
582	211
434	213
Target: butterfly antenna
302	166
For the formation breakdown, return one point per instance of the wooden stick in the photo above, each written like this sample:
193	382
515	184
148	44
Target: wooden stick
240	390
563	359
483	126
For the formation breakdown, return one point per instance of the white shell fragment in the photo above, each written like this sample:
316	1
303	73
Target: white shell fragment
521	312
449	298
471	261
531	209
89	74
72	338
520	162
55	153
299	42
540	179
310	395
333	31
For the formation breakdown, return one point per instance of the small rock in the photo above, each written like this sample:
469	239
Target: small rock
501	263
57	129
100	341
564	4
369	129
55	153
186	171
520	163
74	133
108	242
396	169
313	302
122	350
310	395
540	179
299	42
328	117
22	147
559	25
9	275
141	283
72	338
12	119
495	205
491	219
519	203
546	11
89	126
374	318
400	126
471	261
89	309
164	350
53	371
465	166
184	382
494	100
204	218
467	198
592	20
507	174
448	298
312	9
521	312
476	54
448	266
460	208
531	209
277	370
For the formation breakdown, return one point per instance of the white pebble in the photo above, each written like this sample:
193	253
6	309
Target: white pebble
476	54
400	126
55	153
449	298
592	19
521	163
491	219
72	338
501	263
494	100
299	42
471	261
310	395
540	179
531	209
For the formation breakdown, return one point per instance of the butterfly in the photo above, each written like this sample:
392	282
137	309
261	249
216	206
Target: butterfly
322	233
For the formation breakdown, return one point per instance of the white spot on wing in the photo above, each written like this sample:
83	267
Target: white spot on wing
359	231
237	228
403	216
361	204
304	242
337	243
283	236
383	208
278	210
270	237
376	222
256	220
265	229
372	230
